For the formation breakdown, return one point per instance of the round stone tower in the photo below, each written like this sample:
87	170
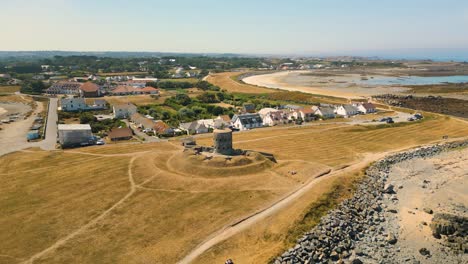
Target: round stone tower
222	139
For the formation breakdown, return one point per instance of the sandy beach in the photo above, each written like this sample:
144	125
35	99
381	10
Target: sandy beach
340	85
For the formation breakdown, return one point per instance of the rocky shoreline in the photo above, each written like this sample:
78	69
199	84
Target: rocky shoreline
364	228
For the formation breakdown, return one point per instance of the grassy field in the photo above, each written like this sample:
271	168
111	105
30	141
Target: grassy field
225	81
15	98
190	80
139	203
457	88
105	74
9	89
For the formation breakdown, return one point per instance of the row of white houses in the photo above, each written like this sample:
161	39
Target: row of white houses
273	117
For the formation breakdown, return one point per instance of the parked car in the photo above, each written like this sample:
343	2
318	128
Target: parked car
390	121
100	142
410	119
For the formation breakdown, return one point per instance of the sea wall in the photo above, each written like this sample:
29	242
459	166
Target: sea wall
361	229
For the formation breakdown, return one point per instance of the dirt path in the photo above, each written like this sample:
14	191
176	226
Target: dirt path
250	220
83	228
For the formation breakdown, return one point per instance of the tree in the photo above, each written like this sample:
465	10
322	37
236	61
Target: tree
183	99
86	118
207	98
35	87
186	113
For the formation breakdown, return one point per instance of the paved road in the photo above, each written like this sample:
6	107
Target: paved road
148	139
51	132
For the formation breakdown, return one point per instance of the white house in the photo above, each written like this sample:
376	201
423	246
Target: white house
324	111
72	104
215	123
273	117
306	114
346	110
194	128
74	135
365	108
124	110
247	121
99	104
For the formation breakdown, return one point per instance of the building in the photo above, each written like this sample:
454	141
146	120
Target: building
222	141
291	107
216	123
123	133
73	104
125	90
145	80
142	122
273	117
99	104
124	110
149	90
75	135
247	121
62	87
248	108
194	127
90	89
365	108
324	111
346	110
163	129
306	114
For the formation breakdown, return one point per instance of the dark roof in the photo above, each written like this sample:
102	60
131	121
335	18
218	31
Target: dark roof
248	118
249	106
123	132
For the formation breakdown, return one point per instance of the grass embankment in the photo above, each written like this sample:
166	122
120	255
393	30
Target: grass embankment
226	82
338	192
9	89
439	88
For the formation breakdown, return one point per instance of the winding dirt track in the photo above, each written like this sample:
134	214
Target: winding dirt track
248	221
80	230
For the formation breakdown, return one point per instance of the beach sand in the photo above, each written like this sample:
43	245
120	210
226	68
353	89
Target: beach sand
342	85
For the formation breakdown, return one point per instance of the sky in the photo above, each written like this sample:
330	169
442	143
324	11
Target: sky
315	27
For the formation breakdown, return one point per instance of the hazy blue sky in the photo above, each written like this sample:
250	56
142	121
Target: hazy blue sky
239	26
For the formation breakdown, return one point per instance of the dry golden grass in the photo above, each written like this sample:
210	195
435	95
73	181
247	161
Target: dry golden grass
226	82
134	99
48	195
269	238
15	98
9	89
121	73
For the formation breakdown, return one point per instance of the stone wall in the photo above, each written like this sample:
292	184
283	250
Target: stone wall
357	231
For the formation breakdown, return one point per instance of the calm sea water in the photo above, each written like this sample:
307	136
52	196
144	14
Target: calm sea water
415	80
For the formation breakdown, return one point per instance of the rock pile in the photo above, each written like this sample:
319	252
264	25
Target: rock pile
360	230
